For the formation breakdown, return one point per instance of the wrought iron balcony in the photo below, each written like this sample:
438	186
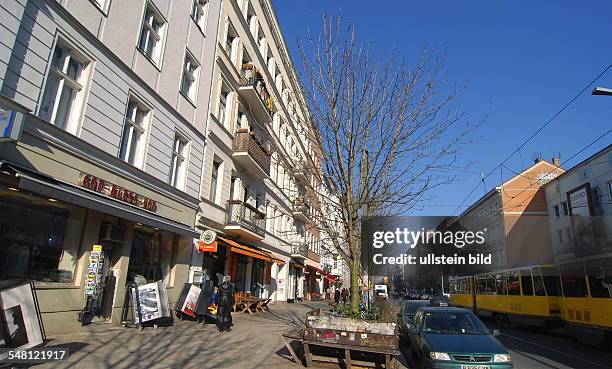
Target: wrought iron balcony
301	209
253	89
245	220
299	250
302	173
250	152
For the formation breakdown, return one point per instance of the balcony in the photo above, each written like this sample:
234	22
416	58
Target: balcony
301	210
299	250
245	221
254	91
249	152
314	256
302	174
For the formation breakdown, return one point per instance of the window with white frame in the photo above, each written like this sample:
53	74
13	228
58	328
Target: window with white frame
152	33
102	4
199	13
132	138
178	167
230	40
63	97
215	180
222	110
191	69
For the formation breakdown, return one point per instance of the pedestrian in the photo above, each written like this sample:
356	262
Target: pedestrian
226	301
337	295
344	295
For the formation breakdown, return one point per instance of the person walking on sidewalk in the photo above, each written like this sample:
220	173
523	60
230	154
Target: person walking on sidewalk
226	301
344	295
337	295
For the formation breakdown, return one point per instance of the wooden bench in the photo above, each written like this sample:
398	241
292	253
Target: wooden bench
239	301
297	335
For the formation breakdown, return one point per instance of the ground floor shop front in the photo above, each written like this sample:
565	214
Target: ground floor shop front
56	207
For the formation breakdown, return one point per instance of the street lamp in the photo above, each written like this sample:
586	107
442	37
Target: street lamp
602	91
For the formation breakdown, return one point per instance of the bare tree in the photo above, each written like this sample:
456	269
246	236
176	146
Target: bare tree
386	133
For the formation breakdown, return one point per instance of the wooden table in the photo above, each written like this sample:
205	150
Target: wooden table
297	335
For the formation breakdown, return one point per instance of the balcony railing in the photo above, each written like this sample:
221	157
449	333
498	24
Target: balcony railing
246	216
249	76
301	209
247	142
299	250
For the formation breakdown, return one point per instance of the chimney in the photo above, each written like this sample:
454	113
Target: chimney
537	157
556	160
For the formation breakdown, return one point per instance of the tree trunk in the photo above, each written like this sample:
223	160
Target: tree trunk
355	298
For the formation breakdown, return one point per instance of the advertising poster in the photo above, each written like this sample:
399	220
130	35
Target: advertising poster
20	326
581	221
191	301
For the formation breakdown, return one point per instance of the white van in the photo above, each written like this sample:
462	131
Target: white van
380	290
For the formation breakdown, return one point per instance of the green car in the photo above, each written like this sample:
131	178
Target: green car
454	338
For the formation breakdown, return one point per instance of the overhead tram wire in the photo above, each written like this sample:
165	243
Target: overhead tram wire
570	102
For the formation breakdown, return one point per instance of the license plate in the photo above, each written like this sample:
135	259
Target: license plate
475	367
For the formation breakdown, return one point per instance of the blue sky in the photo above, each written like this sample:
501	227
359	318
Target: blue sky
523	60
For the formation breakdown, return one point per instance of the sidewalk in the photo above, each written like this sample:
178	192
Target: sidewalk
254	342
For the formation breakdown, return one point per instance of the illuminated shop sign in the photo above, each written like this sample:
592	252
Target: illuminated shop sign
116	192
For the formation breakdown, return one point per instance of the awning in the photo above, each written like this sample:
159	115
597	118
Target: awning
55	189
249	251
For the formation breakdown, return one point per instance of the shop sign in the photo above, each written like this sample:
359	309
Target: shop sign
116	192
11	124
207	247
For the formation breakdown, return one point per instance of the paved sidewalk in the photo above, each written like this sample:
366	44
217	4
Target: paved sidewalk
254	342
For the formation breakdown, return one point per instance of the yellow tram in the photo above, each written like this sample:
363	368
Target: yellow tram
526	295
586	301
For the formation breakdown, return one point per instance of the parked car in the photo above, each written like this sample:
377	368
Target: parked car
450	337
406	315
439	300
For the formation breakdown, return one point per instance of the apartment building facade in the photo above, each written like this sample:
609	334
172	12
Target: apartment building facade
579	204
260	187
113	95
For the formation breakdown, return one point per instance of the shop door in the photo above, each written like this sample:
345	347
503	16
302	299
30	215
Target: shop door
109	280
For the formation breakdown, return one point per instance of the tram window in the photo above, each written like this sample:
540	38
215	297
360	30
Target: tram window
600	278
551	280
500	284
538	284
490	284
512	281
573	280
481	285
526	282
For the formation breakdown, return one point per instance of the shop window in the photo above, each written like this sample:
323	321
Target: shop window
152	33
240	278
199	12
151	254
179	162
600	278
189	81
132	138
257	277
63	98
39	237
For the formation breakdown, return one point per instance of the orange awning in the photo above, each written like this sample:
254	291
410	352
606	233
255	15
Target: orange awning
250	251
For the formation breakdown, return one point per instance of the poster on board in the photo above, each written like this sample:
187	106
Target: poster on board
152	300
191	301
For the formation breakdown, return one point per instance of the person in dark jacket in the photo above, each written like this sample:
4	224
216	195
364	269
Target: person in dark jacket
345	295
337	295
226	301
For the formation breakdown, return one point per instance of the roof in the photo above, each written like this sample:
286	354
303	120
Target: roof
449	309
607	148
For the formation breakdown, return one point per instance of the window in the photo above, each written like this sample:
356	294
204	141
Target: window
62	100
573	280
152	254
199	11
101	4
230	39
526	282
177	170
214	180
565	209
223	97
133	130
513	284
189	83
151	36
600	278
556	207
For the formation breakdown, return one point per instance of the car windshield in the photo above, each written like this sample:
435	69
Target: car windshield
453	323
412	306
